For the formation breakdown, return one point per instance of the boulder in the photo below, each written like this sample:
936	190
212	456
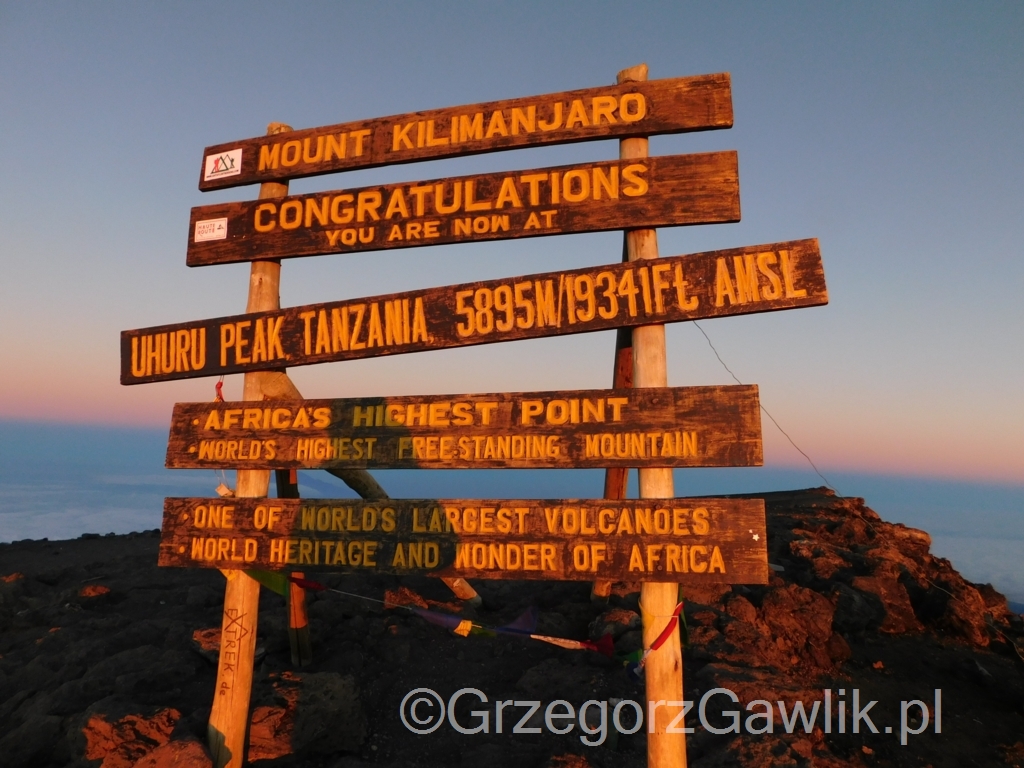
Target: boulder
119	742
615	622
855	611
899	613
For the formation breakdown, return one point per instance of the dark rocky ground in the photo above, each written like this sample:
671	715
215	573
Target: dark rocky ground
98	665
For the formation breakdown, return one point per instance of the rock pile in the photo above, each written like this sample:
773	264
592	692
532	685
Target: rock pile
106	660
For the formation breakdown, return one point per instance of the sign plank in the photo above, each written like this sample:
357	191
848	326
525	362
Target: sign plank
758	278
649	192
691	541
673	105
669	427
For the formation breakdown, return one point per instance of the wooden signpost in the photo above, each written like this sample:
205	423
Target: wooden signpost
660	540
685	540
656	192
229	715
761	278
663	671
673	105
677	427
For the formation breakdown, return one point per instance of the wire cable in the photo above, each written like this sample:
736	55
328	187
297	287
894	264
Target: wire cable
766	413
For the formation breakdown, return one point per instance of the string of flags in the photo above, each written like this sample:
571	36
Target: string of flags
525	625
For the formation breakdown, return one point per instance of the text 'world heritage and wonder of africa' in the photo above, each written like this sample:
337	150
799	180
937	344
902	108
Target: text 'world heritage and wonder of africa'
686	540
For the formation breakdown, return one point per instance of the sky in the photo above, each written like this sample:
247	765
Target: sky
890	131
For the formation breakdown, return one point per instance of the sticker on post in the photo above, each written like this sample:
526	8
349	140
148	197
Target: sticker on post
211	229
223	164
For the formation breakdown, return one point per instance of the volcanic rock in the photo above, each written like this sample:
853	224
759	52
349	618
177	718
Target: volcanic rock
107	660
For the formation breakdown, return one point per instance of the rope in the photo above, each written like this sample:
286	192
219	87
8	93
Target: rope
772	418
463	627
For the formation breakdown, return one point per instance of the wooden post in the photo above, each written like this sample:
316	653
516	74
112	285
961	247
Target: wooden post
463	590
229	718
298	619
298	624
663	670
616	479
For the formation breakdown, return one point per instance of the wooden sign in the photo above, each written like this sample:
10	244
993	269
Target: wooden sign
669	427
634	109
647	192
690	541
758	278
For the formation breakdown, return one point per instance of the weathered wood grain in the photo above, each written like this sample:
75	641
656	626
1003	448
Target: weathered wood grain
691	541
757	278
229	715
663	667
668	427
649	192
674	105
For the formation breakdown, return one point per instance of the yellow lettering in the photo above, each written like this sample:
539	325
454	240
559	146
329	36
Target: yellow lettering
631	174
291	153
556	118
471	128
400	139
636	561
717	562
307	157
335	147
508	194
270	157
433	141
366	205
397	205
632	107
746	278
787	276
606	181
258	224
496	126
603	107
577	114
723	283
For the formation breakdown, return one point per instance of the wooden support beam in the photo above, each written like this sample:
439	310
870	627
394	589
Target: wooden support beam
366	485
229	717
363	483
616	479
663	670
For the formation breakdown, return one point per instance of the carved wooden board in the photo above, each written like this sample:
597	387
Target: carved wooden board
633	109
671	427
758	278
648	192
691	541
